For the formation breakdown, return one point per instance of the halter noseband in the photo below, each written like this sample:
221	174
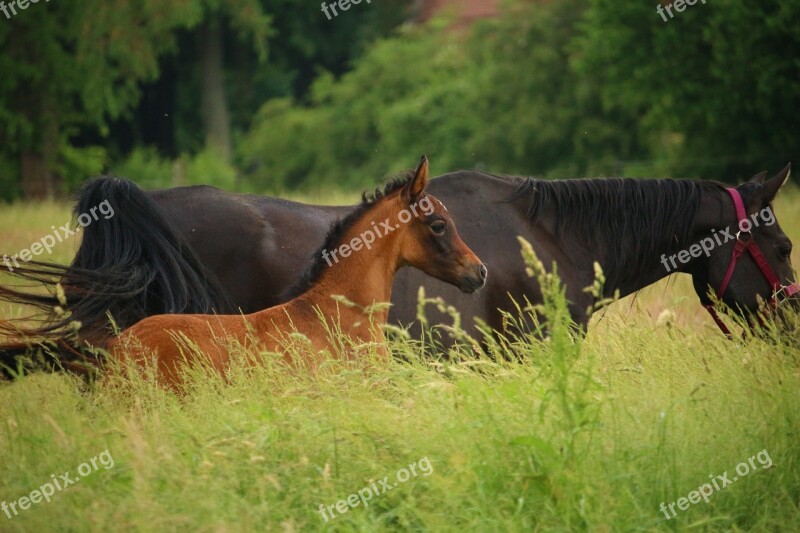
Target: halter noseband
745	242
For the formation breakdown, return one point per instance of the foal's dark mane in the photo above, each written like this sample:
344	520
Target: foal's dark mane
629	222
340	228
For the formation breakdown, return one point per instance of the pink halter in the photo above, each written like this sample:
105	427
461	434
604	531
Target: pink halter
745	242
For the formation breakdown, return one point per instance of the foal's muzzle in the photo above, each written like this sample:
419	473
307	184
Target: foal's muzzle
474	279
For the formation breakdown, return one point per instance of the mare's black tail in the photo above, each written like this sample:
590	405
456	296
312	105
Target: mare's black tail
131	264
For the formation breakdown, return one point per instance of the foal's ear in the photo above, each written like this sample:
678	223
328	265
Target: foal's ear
418	183
771	187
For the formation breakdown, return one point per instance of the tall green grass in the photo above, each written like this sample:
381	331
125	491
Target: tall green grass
565	434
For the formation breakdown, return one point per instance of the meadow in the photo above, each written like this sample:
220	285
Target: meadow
568	434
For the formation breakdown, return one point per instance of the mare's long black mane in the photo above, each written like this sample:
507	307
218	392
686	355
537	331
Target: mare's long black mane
629	222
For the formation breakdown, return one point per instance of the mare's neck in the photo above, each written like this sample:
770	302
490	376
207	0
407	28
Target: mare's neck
672	254
643	248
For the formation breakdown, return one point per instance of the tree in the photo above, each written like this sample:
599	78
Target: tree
502	97
715	86
70	67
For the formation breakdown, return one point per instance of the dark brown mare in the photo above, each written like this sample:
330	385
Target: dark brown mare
254	247
356	262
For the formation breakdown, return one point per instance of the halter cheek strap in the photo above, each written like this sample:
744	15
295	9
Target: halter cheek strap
745	242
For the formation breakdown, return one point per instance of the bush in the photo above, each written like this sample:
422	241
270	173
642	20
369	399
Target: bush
148	169
503	97
145	167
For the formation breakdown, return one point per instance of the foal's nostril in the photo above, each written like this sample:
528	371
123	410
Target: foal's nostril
474	278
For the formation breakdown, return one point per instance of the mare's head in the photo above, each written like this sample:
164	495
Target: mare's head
428	238
750	258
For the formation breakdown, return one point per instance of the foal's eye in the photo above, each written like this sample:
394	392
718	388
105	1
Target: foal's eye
785	251
438	227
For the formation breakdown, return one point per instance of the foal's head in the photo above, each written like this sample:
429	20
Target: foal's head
406	226
429	240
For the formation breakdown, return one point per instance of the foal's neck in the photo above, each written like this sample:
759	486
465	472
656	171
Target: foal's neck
363	276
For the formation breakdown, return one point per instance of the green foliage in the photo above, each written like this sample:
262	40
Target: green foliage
9	182
712	86
502	97
281	148
206	168
147	168
77	163
300	44
67	67
558	89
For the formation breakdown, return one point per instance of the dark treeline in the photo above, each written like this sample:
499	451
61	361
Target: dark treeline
270	95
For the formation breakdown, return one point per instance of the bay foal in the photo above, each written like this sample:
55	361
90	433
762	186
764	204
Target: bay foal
399	226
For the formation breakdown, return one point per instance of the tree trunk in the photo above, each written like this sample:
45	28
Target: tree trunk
216	121
38	177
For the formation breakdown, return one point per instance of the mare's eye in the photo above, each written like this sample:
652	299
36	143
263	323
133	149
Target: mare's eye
438	227
785	251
